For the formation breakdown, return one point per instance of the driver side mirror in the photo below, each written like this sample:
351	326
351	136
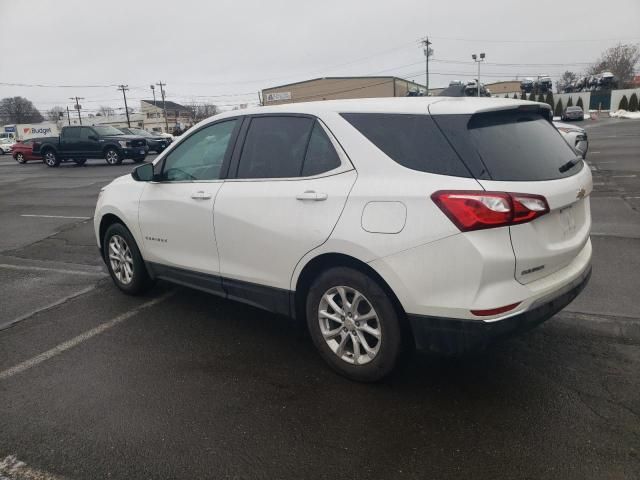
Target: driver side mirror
143	173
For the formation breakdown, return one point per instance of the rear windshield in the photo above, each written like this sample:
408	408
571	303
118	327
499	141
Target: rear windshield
574	109
413	141
510	146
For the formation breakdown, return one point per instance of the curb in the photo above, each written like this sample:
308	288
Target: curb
624	328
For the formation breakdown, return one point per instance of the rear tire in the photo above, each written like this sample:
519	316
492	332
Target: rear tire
112	156
124	261
51	159
368	319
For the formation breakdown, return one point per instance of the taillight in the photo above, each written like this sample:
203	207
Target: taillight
476	210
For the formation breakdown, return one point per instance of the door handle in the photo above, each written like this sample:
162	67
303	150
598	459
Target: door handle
201	195
312	195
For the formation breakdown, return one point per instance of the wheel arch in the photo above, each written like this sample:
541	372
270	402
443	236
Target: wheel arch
106	221
317	265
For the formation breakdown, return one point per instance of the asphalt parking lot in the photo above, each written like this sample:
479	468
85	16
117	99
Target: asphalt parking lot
180	384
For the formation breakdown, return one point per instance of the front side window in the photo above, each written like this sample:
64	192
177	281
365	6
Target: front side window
201	155
275	147
84	133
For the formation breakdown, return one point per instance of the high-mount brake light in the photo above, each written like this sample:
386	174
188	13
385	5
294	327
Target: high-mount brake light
476	210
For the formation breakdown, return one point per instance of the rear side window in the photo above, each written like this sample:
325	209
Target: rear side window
413	141
275	147
510	145
72	133
321	156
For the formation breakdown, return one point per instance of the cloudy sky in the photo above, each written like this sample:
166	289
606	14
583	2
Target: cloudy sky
225	51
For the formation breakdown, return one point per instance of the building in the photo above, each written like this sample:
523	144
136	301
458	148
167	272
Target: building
333	88
177	115
507	87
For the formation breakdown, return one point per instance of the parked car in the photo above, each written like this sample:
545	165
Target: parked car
100	141
575	136
382	223
22	152
154	143
572	113
5	145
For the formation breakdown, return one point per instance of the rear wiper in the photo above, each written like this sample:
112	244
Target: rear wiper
570	164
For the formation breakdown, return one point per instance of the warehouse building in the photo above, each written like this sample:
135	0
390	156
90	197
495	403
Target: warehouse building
333	88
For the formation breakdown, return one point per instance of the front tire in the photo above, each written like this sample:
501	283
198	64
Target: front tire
51	159
353	324
124	261
20	158
112	156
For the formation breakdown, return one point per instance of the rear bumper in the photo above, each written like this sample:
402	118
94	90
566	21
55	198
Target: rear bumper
454	336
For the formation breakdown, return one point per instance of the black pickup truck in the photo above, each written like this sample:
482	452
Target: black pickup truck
80	143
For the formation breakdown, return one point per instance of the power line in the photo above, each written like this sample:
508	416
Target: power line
567	40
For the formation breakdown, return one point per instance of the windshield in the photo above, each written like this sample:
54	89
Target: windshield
107	130
5	140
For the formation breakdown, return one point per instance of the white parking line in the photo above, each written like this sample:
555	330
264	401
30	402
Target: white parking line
623	176
56	216
47	269
75	341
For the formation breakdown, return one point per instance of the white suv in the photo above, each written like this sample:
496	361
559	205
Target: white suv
441	223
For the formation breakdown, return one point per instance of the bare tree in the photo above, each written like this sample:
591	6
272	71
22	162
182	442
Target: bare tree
55	114
19	110
106	111
620	60
200	111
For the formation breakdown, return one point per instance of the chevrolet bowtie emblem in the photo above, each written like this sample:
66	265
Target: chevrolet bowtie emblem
581	193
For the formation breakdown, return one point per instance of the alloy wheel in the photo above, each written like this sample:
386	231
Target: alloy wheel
50	159
120	259
349	325
112	157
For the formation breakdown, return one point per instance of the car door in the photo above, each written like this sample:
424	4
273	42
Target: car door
176	211
285	192
89	147
70	142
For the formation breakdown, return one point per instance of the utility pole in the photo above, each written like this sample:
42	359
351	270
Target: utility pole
164	107
68	116
478	61
78	106
428	51
153	89
124	88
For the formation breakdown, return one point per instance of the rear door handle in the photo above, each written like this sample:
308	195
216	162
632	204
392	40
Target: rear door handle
312	195
201	195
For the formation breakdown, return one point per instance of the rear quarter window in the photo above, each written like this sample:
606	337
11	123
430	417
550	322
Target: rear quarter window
413	141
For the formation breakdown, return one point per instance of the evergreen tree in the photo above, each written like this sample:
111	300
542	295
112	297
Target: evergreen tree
633	103
515	96
559	108
570	102
579	103
624	103
549	100
532	97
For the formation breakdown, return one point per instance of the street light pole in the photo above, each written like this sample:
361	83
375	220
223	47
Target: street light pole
478	61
